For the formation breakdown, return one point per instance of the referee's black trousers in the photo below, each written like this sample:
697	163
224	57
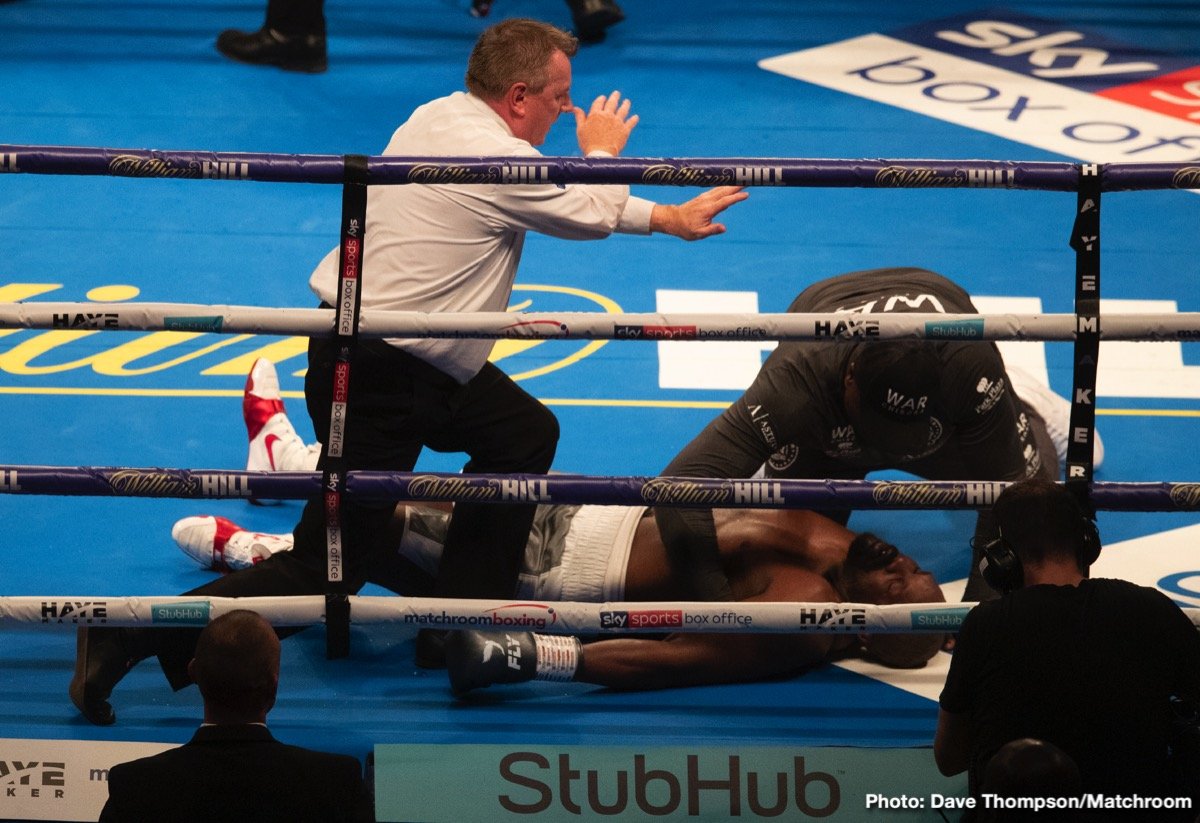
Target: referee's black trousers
397	405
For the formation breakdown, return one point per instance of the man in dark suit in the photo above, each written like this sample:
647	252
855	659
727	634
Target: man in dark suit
233	768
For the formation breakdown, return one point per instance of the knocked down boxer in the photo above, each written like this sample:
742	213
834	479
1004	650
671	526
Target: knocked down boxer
611	553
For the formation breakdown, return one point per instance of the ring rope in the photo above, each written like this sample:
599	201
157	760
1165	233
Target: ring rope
571	617
675	492
222	319
705	171
556	617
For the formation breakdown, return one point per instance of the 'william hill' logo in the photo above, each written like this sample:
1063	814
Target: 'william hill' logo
181	483
1187	178
1185	495
510	173
666	175
935	495
753	492
525	491
150	483
899	177
128	165
918	494
662	490
525	174
519	490
428	487
428	173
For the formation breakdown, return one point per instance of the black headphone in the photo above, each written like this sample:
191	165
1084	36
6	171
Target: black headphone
1001	567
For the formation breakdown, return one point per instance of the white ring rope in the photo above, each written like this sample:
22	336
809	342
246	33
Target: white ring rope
565	617
193	317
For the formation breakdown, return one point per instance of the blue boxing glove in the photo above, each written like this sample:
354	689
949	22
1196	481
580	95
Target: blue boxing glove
478	659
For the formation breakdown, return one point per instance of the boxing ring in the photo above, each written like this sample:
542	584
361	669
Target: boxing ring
350	621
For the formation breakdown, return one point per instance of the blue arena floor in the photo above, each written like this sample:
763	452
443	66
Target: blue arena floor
762	78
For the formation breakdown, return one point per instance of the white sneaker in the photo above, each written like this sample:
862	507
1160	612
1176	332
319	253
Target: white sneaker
1052	408
274	443
220	544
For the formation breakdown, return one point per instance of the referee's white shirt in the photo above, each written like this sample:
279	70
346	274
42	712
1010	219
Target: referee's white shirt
455	248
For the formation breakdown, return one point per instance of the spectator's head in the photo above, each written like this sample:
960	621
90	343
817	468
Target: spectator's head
891	394
522	69
236	666
877	572
1041	521
1031	768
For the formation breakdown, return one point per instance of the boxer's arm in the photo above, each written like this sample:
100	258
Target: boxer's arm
686	659
699	659
722	449
475	660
